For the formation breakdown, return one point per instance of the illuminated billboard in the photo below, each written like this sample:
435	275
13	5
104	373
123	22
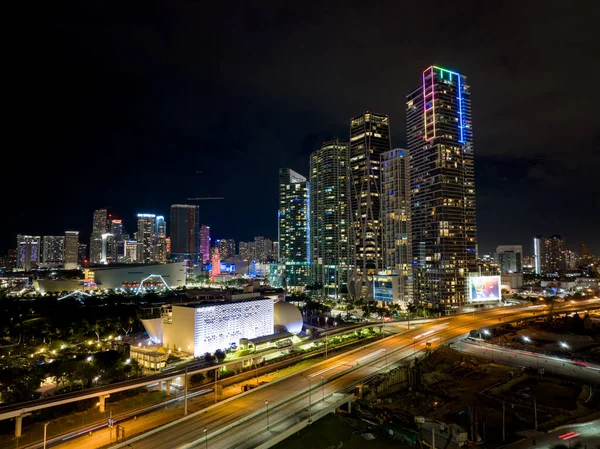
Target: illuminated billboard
484	288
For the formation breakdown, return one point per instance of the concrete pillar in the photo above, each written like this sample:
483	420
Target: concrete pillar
102	402
168	386
18	425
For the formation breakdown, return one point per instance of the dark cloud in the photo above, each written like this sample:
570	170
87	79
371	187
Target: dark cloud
121	103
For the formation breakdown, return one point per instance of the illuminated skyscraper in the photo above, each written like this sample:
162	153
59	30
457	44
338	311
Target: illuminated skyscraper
146	236
71	258
395	220
99	227
227	249
28	252
204	248
440	145
330	216
293	222
510	258
369	139
549	255
53	247
185	231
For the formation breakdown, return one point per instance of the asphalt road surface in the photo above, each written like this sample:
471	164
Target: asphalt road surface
232	422
586	372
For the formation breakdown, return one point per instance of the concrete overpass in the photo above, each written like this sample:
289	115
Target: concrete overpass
290	396
23	409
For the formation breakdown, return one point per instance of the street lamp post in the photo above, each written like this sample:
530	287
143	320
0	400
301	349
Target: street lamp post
323	388
205	438
267	405
256	370
309	399
45	425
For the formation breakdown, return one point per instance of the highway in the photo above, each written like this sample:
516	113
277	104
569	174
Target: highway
21	408
232	422
586	372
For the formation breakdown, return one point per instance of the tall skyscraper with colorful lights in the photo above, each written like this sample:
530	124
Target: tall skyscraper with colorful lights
293	227
442	183
28	252
204	248
395	221
369	139
330	216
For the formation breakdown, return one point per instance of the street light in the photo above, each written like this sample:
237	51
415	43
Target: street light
564	345
267	405
486	332
205	438
526	339
323	388
45	425
309	399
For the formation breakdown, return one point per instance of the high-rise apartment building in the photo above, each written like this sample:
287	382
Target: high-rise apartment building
244	252
510	258
146	236
292	229
117	243
160	245
395	221
440	145
204	248
329	217
263	249
82	254
71	254
227	249
185	231
369	139
548	255
53	247
28	252
99	227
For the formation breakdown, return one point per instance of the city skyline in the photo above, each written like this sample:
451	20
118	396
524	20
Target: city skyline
200	126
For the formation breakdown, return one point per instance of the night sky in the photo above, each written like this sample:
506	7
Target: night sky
122	105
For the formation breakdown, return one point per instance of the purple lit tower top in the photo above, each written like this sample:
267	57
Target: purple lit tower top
205	243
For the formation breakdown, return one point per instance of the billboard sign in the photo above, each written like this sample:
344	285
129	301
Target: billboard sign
484	288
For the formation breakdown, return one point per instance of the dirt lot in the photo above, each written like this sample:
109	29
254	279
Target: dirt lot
336	431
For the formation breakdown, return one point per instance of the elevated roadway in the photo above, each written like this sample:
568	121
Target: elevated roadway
235	421
103	392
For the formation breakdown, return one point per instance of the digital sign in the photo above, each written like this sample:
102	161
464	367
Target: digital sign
484	288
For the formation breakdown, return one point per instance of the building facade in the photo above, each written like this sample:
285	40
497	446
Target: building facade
292	227
184	232
329	217
548	255
227	249
442	183
369	139
28	252
395	221
146	236
510	258
71	258
204	248
99	227
53	247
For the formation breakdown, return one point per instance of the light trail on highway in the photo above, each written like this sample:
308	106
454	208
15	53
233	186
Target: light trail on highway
245	411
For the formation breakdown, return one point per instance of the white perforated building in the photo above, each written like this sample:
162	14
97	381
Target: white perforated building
208	326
